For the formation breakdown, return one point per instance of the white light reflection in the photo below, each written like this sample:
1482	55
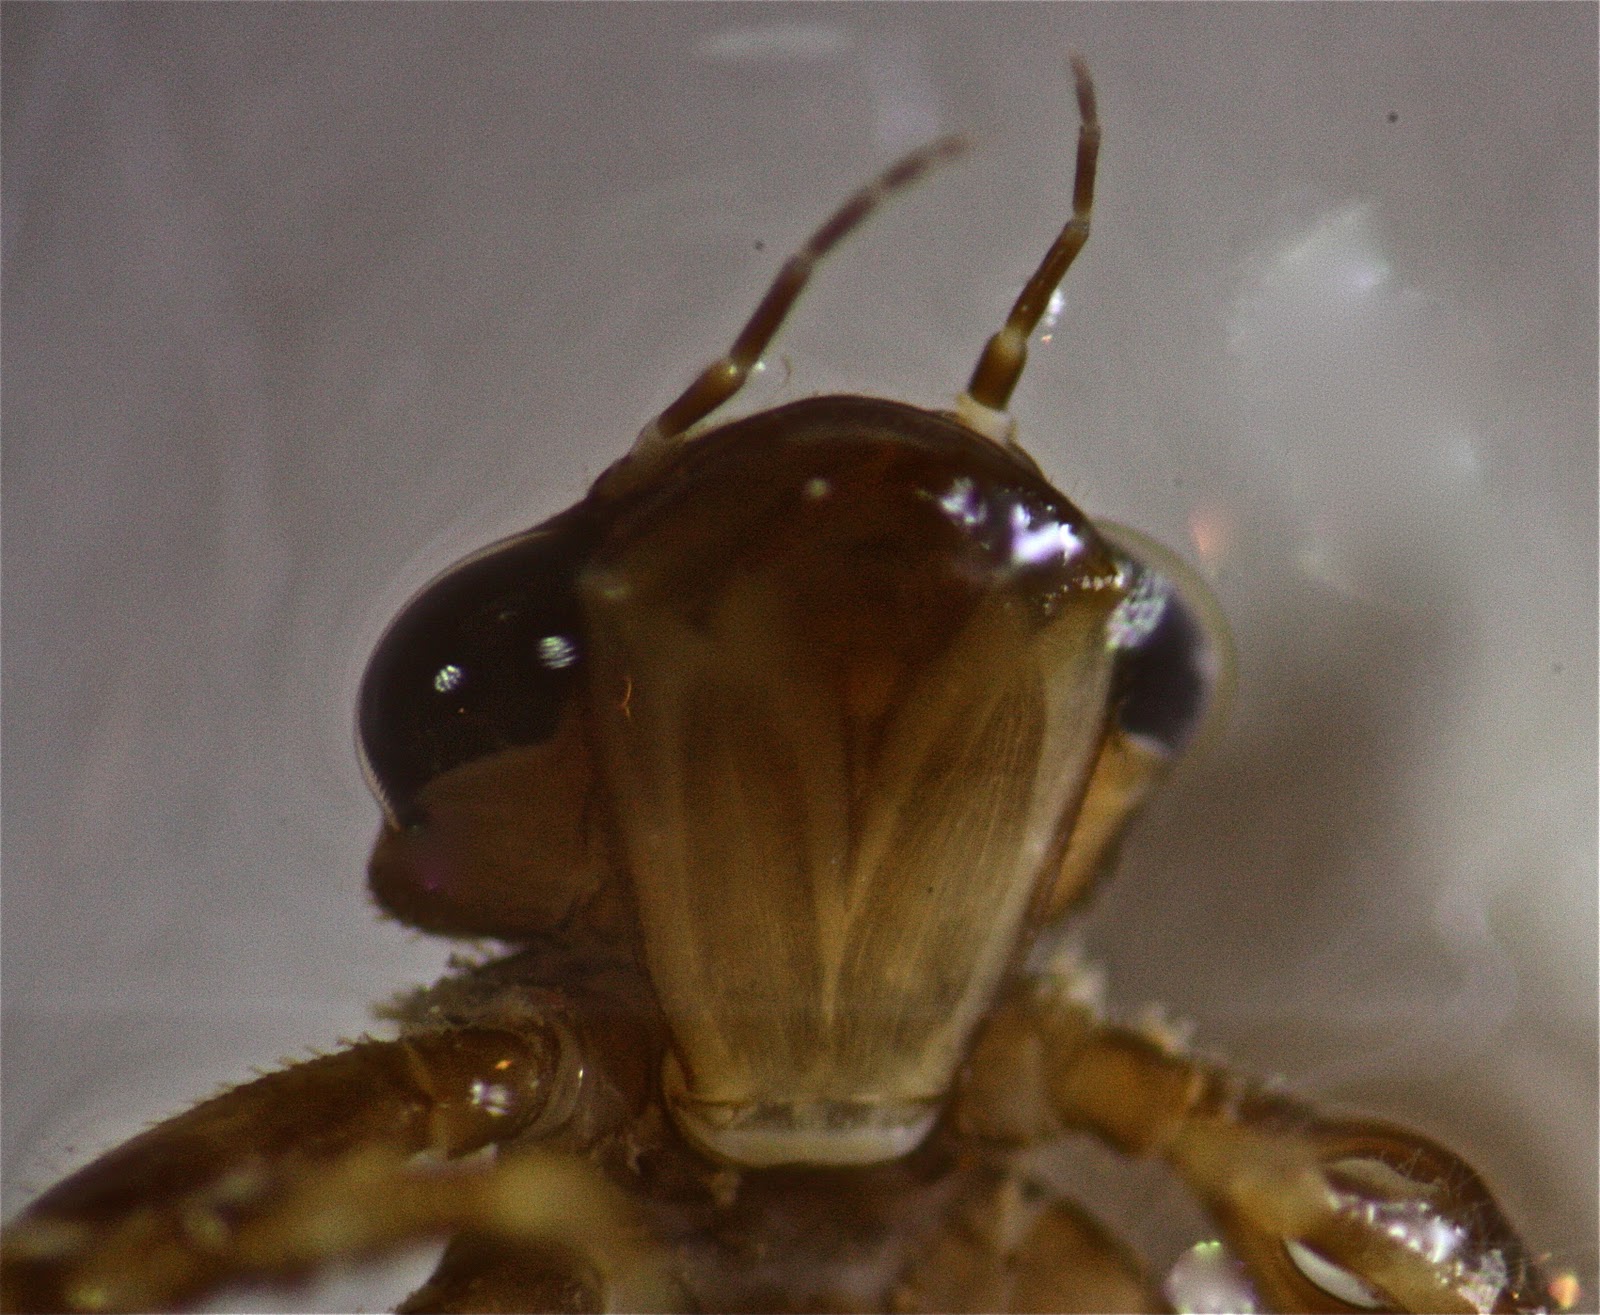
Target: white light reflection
1482	1286
1333	1279
1052	313
1037	541
492	1097
1337	259
1365	393
557	651
1140	612
1479	1277
1208	1280
962	503
1034	538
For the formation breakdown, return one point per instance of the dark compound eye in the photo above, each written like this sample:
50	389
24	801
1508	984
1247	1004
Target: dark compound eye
484	659
1175	660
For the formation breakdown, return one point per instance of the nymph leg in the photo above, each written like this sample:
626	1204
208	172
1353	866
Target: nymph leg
1327	1214
341	1156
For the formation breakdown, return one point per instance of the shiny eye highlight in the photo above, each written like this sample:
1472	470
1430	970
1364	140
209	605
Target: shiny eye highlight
1174	669
484	659
1172	675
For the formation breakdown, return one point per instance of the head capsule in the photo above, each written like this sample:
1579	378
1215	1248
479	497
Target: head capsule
840	702
850	673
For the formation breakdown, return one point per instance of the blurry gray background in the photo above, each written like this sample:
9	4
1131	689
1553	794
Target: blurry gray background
301	303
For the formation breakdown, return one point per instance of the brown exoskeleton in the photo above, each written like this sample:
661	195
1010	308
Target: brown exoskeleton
779	758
